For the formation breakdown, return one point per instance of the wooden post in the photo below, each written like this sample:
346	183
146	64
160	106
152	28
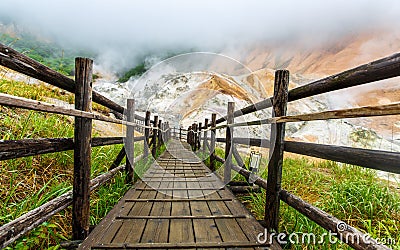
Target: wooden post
82	149
205	134
180	133
168	133
279	103
212	143
164	133
155	124
146	134
118	160
228	143
195	136
199	137
129	141
188	135
160	132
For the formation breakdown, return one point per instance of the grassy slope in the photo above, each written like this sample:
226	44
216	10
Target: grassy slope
27	183
350	193
47	53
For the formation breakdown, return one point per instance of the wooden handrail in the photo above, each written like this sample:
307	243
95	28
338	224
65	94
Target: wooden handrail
29	147
367	111
374	159
368	158
381	69
24	103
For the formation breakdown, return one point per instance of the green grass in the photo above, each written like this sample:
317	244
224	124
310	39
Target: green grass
42	92
136	71
29	182
350	193
45	52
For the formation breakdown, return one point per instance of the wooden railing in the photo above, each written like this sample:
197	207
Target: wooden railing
376	159
82	142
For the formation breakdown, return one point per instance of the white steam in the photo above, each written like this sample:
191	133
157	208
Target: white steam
125	30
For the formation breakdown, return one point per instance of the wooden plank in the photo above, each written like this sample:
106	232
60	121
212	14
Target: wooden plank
374	159
103	228
110	232
157	230
132	232
340	229
82	150
250	226
179	188
182	245
175	200
177	172
229	228
179	180
125	210
205	229
280	99
181	229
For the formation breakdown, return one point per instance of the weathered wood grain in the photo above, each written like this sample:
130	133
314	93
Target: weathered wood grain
368	111
27	147
154	139
129	140
228	143
82	150
20	102
374	159
275	163
146	134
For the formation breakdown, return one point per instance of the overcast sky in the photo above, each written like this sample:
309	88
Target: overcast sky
134	27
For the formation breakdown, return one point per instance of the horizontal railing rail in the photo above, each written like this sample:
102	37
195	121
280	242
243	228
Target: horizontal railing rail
29	147
381	69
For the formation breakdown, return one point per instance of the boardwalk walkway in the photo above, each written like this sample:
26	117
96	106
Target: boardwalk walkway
178	204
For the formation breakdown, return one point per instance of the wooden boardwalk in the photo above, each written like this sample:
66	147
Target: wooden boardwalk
178	204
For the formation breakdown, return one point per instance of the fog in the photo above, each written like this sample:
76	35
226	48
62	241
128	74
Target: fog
122	31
